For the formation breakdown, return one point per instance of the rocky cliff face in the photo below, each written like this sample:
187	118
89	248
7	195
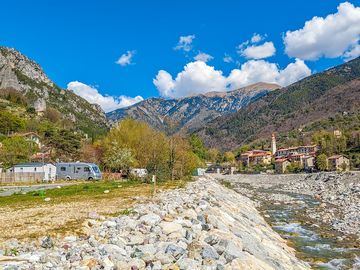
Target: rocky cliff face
190	113
24	75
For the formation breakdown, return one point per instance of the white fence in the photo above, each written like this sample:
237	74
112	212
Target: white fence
21	177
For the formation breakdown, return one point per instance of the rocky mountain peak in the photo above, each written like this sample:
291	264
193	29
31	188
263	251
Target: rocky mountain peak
24	75
14	64
192	112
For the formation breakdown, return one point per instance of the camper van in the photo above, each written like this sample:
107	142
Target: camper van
77	170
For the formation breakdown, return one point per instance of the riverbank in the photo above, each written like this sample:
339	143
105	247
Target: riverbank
202	226
318	213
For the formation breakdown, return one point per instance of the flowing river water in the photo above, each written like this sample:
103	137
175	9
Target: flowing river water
313	243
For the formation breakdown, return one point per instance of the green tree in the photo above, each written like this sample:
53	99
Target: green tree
321	162
198	147
118	158
16	150
166	157
229	157
10	122
213	155
65	144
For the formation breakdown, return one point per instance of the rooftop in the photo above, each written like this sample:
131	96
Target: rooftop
31	164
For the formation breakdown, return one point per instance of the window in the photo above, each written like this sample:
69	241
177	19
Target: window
86	169
63	169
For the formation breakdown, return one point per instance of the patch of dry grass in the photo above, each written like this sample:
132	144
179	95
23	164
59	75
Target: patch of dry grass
29	216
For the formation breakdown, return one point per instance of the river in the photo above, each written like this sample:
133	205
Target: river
321	247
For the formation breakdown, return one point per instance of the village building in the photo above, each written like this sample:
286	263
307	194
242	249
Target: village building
30	136
305	150
338	163
46	171
309	163
255	157
281	165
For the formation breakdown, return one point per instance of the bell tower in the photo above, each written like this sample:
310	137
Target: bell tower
273	143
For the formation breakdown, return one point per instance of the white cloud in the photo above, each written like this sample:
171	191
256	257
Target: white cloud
256	38
228	59
198	77
258	52
203	57
332	36
293	72
185	43
352	53
126	58
107	103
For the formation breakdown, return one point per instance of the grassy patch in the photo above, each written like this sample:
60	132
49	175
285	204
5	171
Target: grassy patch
85	191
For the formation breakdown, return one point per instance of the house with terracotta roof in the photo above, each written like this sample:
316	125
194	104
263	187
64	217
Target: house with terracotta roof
281	165
255	157
338	163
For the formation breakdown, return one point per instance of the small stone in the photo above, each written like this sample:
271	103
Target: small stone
47	242
175	251
70	239
170	227
47	199
110	224
108	264
106	191
93	215
212	240
150	219
208	252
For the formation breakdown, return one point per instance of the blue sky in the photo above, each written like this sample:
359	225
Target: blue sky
81	41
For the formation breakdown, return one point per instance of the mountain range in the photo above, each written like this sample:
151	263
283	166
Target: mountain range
191	113
224	120
321	96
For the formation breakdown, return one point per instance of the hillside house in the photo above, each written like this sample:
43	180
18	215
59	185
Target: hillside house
338	163
281	165
255	157
47	170
30	136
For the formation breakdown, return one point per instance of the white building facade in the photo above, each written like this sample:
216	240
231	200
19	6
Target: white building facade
47	169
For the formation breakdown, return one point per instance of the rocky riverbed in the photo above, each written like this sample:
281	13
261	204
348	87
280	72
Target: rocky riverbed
340	196
201	226
319	213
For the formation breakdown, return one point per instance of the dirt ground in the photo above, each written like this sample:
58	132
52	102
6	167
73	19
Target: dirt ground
64	216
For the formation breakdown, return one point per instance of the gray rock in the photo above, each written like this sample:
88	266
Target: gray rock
47	242
187	264
175	250
150	219
208	252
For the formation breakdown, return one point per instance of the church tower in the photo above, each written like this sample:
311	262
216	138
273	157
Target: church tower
273	144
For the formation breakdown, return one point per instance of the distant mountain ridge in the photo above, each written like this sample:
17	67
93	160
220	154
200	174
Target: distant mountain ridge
317	97
190	113
22	74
